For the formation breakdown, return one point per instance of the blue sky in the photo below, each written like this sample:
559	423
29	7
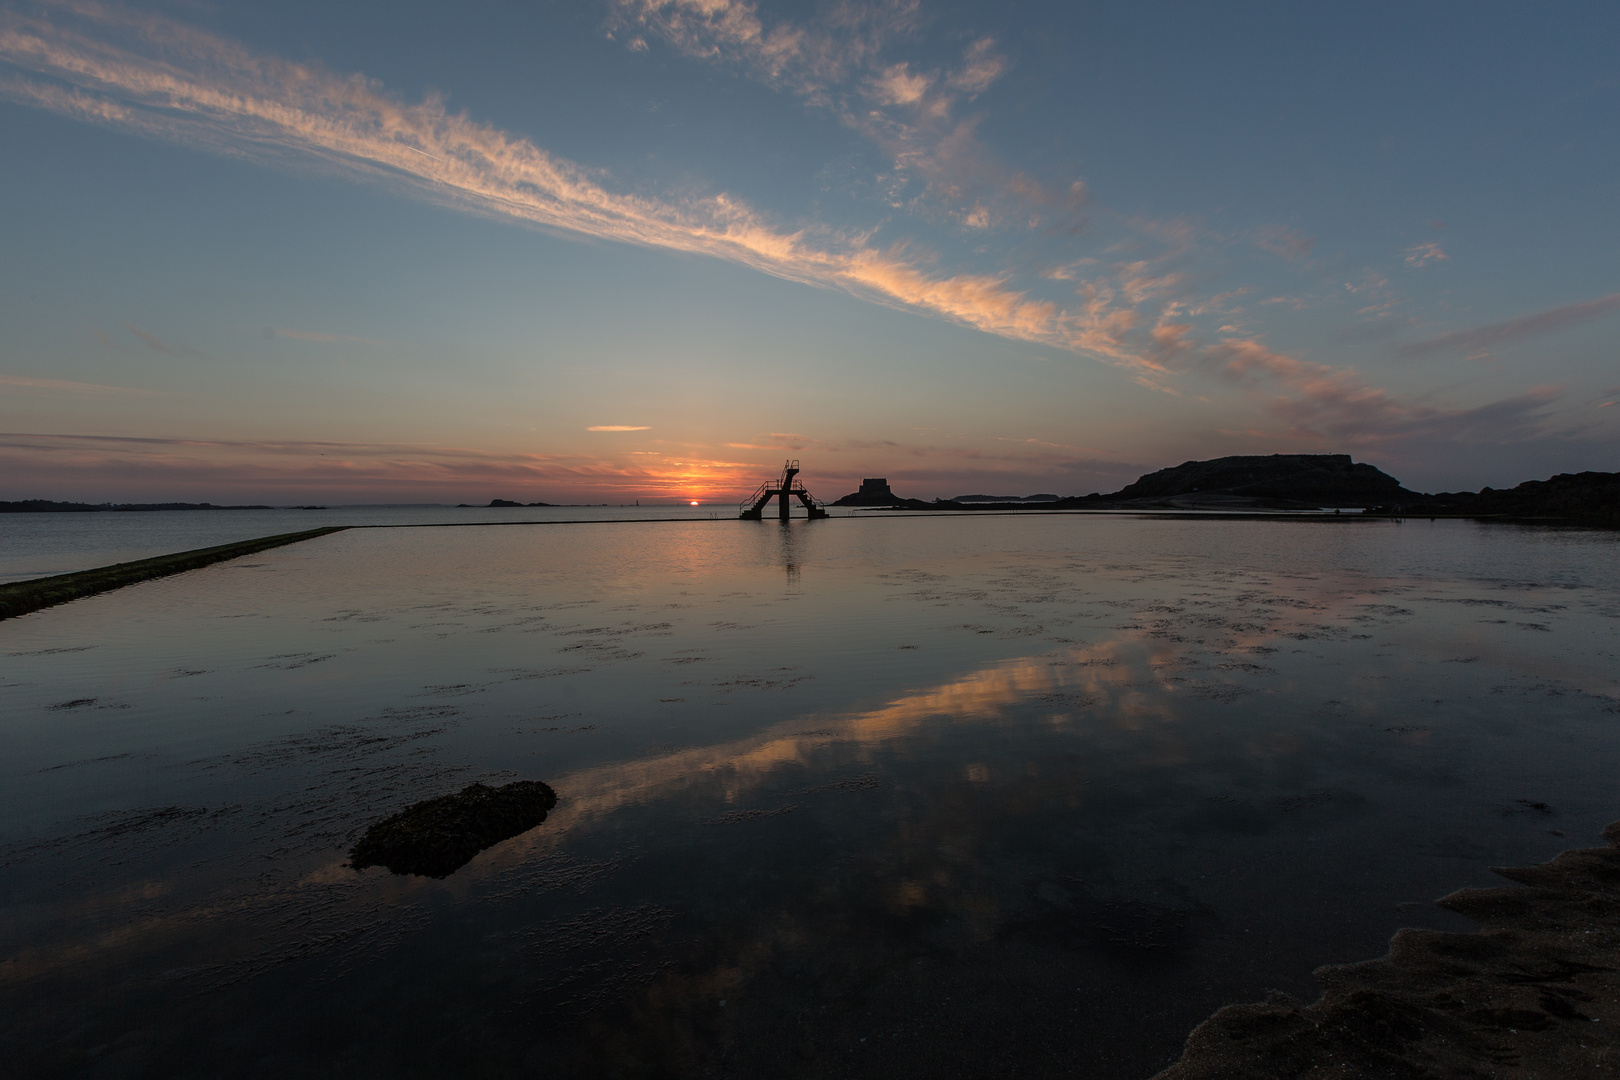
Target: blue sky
369	252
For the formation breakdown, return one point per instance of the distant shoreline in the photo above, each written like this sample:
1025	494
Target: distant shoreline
49	506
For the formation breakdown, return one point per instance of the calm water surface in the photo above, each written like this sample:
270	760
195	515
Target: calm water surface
37	545
883	797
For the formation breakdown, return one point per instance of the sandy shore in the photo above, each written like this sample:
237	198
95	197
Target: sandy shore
1534	993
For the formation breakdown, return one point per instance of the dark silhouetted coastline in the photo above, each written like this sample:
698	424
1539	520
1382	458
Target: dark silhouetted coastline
1306	483
48	506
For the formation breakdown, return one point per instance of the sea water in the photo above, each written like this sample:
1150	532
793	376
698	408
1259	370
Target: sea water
38	545
883	796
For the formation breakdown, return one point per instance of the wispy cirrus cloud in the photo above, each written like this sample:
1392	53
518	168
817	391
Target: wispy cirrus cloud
150	75
619	427
807	60
1286	242
158	345
1422	254
1501	333
67	387
840	62
1335	406
271	332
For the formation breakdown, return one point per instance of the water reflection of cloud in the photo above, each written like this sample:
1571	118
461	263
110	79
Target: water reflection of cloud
1102	680
734	770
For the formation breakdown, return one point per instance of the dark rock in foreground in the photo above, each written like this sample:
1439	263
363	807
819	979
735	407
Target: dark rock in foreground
437	837
1535	993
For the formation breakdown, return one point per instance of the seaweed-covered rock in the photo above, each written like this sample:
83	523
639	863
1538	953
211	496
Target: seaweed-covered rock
437	837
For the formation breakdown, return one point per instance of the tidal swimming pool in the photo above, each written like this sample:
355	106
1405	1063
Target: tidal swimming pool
894	796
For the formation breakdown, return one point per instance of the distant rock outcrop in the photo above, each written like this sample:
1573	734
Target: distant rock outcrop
874	491
1276	481
509	502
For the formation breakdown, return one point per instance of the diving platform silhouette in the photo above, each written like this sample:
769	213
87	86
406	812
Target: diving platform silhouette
753	509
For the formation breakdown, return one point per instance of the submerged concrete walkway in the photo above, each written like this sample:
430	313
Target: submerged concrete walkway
22	597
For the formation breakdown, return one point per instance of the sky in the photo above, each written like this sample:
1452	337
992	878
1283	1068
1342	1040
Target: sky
610	250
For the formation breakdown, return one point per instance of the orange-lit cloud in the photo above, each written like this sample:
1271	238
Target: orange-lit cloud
618	427
1423	254
160	78
808	60
153	76
836	62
